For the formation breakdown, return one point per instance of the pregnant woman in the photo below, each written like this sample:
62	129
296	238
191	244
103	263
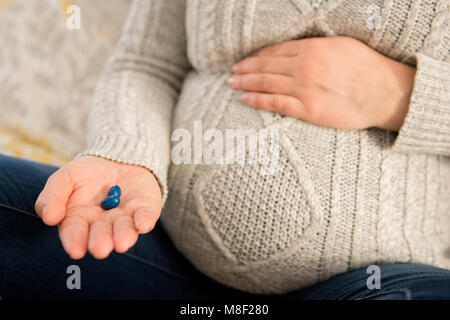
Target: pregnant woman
360	97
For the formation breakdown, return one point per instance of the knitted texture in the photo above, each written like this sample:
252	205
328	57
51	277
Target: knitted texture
341	199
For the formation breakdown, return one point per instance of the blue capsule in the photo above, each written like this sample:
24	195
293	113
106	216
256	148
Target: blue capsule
115	191
110	202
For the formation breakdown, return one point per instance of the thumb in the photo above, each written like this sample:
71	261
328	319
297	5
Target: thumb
52	201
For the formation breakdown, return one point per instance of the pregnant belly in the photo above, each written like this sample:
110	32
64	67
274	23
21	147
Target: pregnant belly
255	231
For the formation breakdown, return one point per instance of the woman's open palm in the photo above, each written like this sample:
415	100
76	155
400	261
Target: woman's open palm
71	199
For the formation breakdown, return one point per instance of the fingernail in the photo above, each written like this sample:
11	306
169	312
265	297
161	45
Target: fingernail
231	81
235	68
247	98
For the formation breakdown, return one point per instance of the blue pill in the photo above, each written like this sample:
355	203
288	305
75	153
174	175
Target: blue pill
110	202
115	191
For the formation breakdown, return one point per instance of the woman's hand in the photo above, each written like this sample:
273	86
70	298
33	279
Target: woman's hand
335	82
72	196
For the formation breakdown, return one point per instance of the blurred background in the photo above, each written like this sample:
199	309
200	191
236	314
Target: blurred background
48	73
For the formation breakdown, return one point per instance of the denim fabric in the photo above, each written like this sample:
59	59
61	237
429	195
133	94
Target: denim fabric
33	263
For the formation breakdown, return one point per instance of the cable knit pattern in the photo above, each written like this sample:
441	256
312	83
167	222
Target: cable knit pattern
341	199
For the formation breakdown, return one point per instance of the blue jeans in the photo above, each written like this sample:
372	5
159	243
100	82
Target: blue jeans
33	264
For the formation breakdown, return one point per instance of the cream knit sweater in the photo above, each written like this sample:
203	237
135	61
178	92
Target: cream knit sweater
341	199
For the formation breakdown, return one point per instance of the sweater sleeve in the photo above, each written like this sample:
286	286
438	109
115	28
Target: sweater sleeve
426	128
130	117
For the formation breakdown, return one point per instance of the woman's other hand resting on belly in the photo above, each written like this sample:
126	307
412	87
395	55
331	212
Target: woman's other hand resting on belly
336	82
72	196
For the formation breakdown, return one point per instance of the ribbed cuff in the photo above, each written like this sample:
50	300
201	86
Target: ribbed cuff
427	125
130	150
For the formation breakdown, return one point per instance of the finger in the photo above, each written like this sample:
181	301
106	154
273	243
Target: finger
51	202
263	82
287	49
124	234
264	64
100	242
287	105
144	220
73	232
